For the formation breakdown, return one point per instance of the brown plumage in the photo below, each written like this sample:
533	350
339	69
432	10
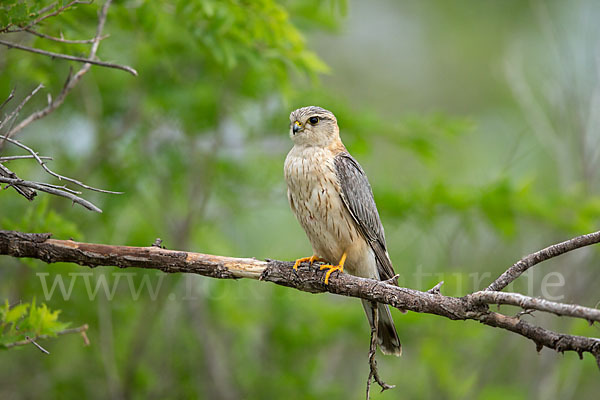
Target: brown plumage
331	197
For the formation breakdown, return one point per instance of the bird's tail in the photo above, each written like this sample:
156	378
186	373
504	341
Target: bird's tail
387	337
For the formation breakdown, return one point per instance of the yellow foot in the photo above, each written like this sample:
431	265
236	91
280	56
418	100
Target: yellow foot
331	268
310	260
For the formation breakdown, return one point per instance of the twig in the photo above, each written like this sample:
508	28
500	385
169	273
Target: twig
47	8
61	187
61	39
19	107
529	303
43	350
52	190
48	170
373	372
12	158
528	311
82	329
393	280
9	98
24	191
549	252
69	57
436	288
58	11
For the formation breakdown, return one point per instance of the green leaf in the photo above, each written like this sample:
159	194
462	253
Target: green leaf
16	313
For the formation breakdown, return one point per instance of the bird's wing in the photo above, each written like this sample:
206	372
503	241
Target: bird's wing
358	197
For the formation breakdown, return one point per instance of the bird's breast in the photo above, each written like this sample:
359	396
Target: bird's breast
314	196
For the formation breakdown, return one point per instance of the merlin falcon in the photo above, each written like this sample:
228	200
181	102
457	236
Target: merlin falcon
331	197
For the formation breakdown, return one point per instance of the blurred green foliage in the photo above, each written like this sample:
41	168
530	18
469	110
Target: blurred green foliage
477	133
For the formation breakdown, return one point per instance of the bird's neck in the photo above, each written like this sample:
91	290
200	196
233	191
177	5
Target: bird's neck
335	146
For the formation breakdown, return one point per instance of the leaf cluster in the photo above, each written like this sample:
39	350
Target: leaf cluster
28	320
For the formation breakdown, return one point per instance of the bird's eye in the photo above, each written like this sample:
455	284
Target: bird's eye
313	120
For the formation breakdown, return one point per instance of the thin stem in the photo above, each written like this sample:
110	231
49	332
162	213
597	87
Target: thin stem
69	57
52	190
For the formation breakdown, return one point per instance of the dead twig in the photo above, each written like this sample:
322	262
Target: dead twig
69	57
48	170
530	303
43	187
9	98
15	112
43	350
62	39
373	372
436	288
549	252
24	191
12	158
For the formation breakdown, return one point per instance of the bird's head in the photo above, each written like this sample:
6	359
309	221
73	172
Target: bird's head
313	126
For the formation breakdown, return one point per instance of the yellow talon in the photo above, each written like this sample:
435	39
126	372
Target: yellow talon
310	260
339	267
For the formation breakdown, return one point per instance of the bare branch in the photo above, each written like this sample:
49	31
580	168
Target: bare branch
24	191
306	279
44	187
60	187
529	303
19	107
549	252
61	39
82	329
46	9
9	98
12	158
43	350
69	57
48	170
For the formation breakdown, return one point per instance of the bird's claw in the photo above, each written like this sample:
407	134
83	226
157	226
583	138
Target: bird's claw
310	260
330	269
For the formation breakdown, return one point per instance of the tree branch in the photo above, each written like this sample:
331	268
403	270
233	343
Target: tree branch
82	329
68	57
62	39
310	279
525	302
4	159
25	187
94	41
15	112
24	191
51	189
34	154
549	252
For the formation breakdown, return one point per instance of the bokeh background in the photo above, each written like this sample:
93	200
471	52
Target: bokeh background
476	121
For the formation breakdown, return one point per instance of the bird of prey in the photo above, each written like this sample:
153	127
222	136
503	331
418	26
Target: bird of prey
330	195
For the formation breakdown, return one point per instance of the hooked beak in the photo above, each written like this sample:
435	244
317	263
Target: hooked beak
297	127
